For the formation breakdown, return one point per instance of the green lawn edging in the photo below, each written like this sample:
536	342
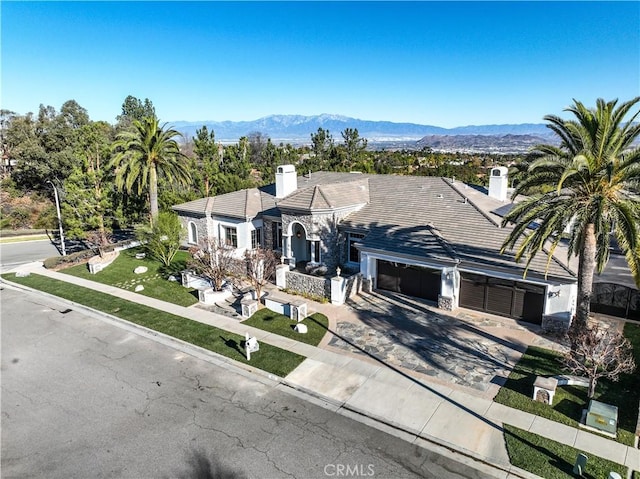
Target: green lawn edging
569	401
267	320
120	274
551	459
270	358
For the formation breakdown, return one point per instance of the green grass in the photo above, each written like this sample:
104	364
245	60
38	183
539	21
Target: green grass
267	320
270	358
569	401
120	274
551	459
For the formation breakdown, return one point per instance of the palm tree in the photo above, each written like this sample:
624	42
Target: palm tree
145	151
593	173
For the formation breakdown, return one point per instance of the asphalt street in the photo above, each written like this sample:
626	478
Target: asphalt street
84	397
14	254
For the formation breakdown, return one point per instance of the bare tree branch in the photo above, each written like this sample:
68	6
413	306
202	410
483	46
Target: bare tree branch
213	260
598	352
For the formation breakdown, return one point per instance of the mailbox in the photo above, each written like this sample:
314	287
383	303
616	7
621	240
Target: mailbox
603	417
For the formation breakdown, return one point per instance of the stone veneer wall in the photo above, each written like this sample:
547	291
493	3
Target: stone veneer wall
555	324
267	234
445	303
325	228
353	285
304	283
201	226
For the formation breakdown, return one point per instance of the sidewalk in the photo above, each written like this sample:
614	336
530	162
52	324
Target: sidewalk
385	397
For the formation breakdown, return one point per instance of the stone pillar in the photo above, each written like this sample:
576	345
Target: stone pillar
337	290
281	275
449	289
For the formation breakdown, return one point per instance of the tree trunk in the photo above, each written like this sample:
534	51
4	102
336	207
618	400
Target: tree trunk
592	387
586	269
153	192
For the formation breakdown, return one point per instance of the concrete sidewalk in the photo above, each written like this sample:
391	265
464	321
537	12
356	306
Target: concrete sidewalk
419	411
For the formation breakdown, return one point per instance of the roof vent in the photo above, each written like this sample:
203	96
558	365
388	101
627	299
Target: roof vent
439	195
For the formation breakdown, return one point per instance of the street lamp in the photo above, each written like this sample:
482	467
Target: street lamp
55	193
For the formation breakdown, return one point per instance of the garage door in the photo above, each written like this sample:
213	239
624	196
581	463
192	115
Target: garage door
502	297
410	280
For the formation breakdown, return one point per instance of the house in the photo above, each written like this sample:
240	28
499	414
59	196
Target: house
428	237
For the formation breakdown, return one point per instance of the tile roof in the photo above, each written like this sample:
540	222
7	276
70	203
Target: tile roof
328	196
243	204
428	218
422	217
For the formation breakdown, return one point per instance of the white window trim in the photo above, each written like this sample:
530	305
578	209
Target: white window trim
191	239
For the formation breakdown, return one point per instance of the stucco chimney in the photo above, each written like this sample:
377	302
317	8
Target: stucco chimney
286	180
498	183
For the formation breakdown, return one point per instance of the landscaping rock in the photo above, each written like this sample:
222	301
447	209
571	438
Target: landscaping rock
139	288
172	278
301	328
140	255
140	270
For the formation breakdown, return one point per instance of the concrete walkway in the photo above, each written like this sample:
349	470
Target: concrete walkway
385	396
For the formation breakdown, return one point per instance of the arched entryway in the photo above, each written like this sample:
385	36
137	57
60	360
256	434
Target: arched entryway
299	247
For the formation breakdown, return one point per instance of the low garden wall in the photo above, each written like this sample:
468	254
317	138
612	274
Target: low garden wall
312	285
320	286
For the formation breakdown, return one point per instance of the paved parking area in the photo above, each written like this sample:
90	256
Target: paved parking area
465	348
461	348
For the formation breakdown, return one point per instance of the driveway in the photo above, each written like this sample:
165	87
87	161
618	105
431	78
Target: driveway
465	348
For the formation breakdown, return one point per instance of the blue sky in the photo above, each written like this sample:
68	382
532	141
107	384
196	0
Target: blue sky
439	63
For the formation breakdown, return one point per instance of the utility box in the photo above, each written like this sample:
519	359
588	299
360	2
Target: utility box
603	417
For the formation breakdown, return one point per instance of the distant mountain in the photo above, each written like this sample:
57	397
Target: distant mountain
298	128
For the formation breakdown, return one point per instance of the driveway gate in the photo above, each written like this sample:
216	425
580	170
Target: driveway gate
616	300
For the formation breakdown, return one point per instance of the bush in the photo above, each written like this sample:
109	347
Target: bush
70	259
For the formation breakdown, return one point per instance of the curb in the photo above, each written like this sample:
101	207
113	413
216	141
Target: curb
390	428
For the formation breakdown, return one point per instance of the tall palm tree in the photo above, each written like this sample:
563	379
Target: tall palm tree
594	172
145	151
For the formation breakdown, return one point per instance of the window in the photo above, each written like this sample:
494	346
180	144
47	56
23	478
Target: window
277	235
193	233
256	238
354	254
231	236
316	250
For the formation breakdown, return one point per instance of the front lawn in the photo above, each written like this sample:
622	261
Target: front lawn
569	401
267	320
120	274
551	459
270	358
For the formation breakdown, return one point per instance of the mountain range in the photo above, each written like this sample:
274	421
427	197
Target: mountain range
298	128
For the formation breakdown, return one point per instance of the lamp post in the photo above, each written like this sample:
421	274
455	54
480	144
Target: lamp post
55	193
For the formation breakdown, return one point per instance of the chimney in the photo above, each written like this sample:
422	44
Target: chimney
498	182
286	180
